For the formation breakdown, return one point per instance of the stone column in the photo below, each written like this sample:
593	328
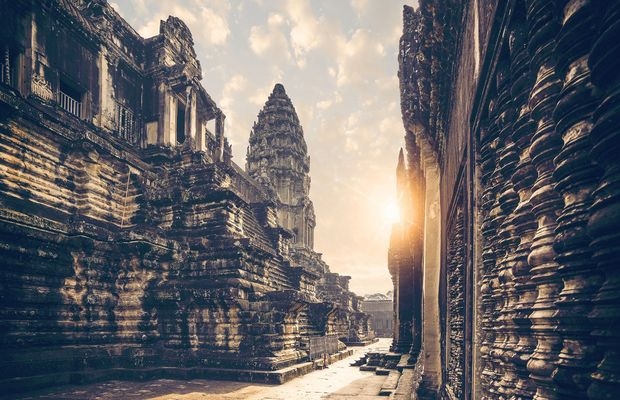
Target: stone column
545	144
577	175
190	116
602	228
523	218
405	295
219	135
431	380
401	263
488	280
508	240
416	246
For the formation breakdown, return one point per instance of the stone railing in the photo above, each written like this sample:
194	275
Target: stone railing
319	345
69	103
41	88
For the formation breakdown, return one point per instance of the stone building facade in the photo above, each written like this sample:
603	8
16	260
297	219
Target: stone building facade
381	312
132	245
511	113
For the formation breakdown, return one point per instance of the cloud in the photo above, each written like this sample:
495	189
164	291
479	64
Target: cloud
305	29
260	96
325	104
215	27
209	25
334	99
233	86
269	41
361	7
360	59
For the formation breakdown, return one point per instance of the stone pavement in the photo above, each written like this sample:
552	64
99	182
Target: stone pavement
339	381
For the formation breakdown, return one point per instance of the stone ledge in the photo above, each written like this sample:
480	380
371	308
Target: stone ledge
390	384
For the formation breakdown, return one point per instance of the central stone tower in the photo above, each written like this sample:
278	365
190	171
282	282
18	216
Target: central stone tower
278	158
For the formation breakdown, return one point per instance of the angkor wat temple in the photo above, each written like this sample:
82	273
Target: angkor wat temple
506	263
132	246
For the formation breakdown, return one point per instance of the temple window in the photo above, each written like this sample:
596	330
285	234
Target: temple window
126	126
70	98
8	66
180	123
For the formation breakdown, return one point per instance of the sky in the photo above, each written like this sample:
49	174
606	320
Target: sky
337	60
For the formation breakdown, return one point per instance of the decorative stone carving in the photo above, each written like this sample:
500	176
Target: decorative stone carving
576	176
546	202
540	131
523	219
277	144
455	320
507	201
489	279
604	218
42	88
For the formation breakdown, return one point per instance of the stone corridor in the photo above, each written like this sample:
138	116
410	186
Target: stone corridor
339	381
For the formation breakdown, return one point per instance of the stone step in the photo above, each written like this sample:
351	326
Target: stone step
382	371
370	368
404	363
390	384
358	362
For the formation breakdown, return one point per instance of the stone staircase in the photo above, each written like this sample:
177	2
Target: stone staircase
384	364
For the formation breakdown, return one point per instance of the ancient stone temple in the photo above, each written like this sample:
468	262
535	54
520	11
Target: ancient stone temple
381	311
277	158
511	113
132	245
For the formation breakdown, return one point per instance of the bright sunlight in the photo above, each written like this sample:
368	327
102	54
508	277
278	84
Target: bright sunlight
391	212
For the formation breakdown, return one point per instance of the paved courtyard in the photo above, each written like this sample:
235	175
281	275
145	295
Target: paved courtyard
339	381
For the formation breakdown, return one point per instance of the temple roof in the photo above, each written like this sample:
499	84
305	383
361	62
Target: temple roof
277	134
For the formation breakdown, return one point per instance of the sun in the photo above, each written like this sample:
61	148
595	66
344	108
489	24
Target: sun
391	212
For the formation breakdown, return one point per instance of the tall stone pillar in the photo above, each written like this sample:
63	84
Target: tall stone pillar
401	263
577	175
219	135
489	281
431	379
546	202
508	240
416	244
602	227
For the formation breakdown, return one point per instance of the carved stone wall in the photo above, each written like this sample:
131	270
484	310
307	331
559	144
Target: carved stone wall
455	352
537	150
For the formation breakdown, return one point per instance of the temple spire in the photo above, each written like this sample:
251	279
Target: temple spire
278	159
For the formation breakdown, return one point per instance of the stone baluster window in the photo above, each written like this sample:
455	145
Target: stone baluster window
8	66
69	99
5	66
126	123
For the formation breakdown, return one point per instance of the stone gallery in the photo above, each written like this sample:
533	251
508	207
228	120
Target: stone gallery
505	265
132	245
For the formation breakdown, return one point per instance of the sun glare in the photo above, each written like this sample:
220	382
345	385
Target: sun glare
391	212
